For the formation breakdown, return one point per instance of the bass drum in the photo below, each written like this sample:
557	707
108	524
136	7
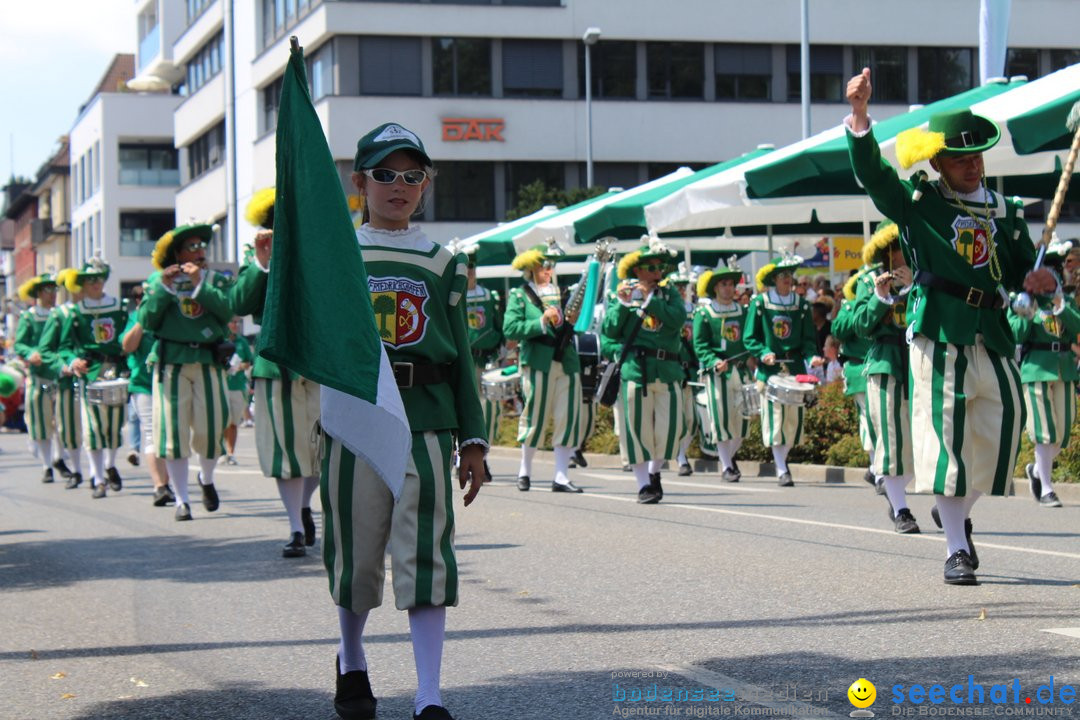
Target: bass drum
588	350
706	439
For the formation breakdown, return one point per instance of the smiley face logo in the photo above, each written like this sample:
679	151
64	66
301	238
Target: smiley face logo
862	693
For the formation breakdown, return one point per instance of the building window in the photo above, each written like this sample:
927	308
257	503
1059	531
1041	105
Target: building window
888	68
675	70
520	174
614	69
1022	61
139	231
609	175
271	100
97	165
462	66
205	64
279	16
827	80
149	165
1063	58
743	72
195	8
532	68
207	151
390	66
320	70
944	72
465	191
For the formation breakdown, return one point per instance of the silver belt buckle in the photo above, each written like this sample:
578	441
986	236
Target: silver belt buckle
398	379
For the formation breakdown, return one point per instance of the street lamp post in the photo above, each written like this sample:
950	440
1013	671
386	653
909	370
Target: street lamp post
590	38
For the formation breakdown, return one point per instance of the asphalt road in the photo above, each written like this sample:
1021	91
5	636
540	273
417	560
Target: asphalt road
728	599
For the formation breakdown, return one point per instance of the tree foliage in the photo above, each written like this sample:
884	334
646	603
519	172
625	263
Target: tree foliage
536	195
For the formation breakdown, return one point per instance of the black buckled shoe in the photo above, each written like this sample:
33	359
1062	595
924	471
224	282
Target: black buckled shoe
183	511
905	522
433	712
569	487
295	547
1050	499
730	475
353	698
163	496
523	483
1036	485
654	481
210	499
133	458
784	480
47	476
959	569
685	470
74	481
579	458
61	467
648	496
98	492
973	556
308	521
113	478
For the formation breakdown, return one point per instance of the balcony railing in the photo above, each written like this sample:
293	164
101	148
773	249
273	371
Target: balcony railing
146	176
149	47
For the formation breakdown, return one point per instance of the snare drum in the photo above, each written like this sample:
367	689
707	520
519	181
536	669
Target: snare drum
588	350
749	403
786	390
107	392
496	387
706	438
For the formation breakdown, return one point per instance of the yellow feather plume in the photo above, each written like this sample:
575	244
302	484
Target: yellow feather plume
62	276
916	145
760	277
26	288
161	251
627	263
527	260
880	241
260	208
71	281
849	286
703	283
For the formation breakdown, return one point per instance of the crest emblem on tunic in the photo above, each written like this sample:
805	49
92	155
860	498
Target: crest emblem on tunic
477	317
781	327
399	305
970	240
732	331
651	324
899	314
1052	325
190	308
104	330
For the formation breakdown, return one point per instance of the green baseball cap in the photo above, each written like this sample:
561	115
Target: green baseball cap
383	140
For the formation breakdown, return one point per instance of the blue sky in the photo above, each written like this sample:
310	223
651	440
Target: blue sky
53	53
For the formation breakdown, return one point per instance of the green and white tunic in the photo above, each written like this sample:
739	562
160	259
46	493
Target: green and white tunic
40	399
485	339
718	335
97	328
68	416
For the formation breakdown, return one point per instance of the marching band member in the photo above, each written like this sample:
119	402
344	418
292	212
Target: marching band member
967	246
853	349
92	349
682	282
719	326
880	313
780	333
40	397
68	414
648	318
1049	375
483	311
550	367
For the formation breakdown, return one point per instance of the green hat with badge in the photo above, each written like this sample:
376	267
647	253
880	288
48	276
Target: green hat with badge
373	148
708	279
532	258
165	249
766	276
34	285
956	132
653	249
95	267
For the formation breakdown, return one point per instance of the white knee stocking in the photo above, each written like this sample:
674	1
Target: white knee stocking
779	453
206	467
44	448
1044	466
291	491
525	470
562	464
351	651
97	466
178	474
427	625
641	474
953	512
894	490
655	466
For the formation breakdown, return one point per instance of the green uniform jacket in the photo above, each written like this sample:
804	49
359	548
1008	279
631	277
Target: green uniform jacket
665	316
937	235
96	334
687	356
786	330
853	349
875	319
28	337
718	334
485	321
1048	365
186	323
141	381
56	332
522	323
239	380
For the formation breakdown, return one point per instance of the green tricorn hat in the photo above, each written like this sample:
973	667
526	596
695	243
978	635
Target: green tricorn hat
537	254
653	249
165	249
707	282
957	132
33	286
766	276
95	267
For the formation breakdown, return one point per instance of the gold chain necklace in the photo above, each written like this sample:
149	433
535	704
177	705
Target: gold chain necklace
987	225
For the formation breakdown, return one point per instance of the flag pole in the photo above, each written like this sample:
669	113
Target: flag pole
294	43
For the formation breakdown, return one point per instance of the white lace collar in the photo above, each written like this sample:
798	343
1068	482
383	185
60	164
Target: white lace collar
410	238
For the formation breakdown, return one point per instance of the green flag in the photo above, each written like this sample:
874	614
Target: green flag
318	319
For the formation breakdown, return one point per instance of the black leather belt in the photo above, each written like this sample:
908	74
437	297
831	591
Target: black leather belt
657	353
1060	347
973	296
544	340
408	374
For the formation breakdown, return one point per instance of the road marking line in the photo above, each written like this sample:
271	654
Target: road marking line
838	526
745	691
1069	632
681	483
